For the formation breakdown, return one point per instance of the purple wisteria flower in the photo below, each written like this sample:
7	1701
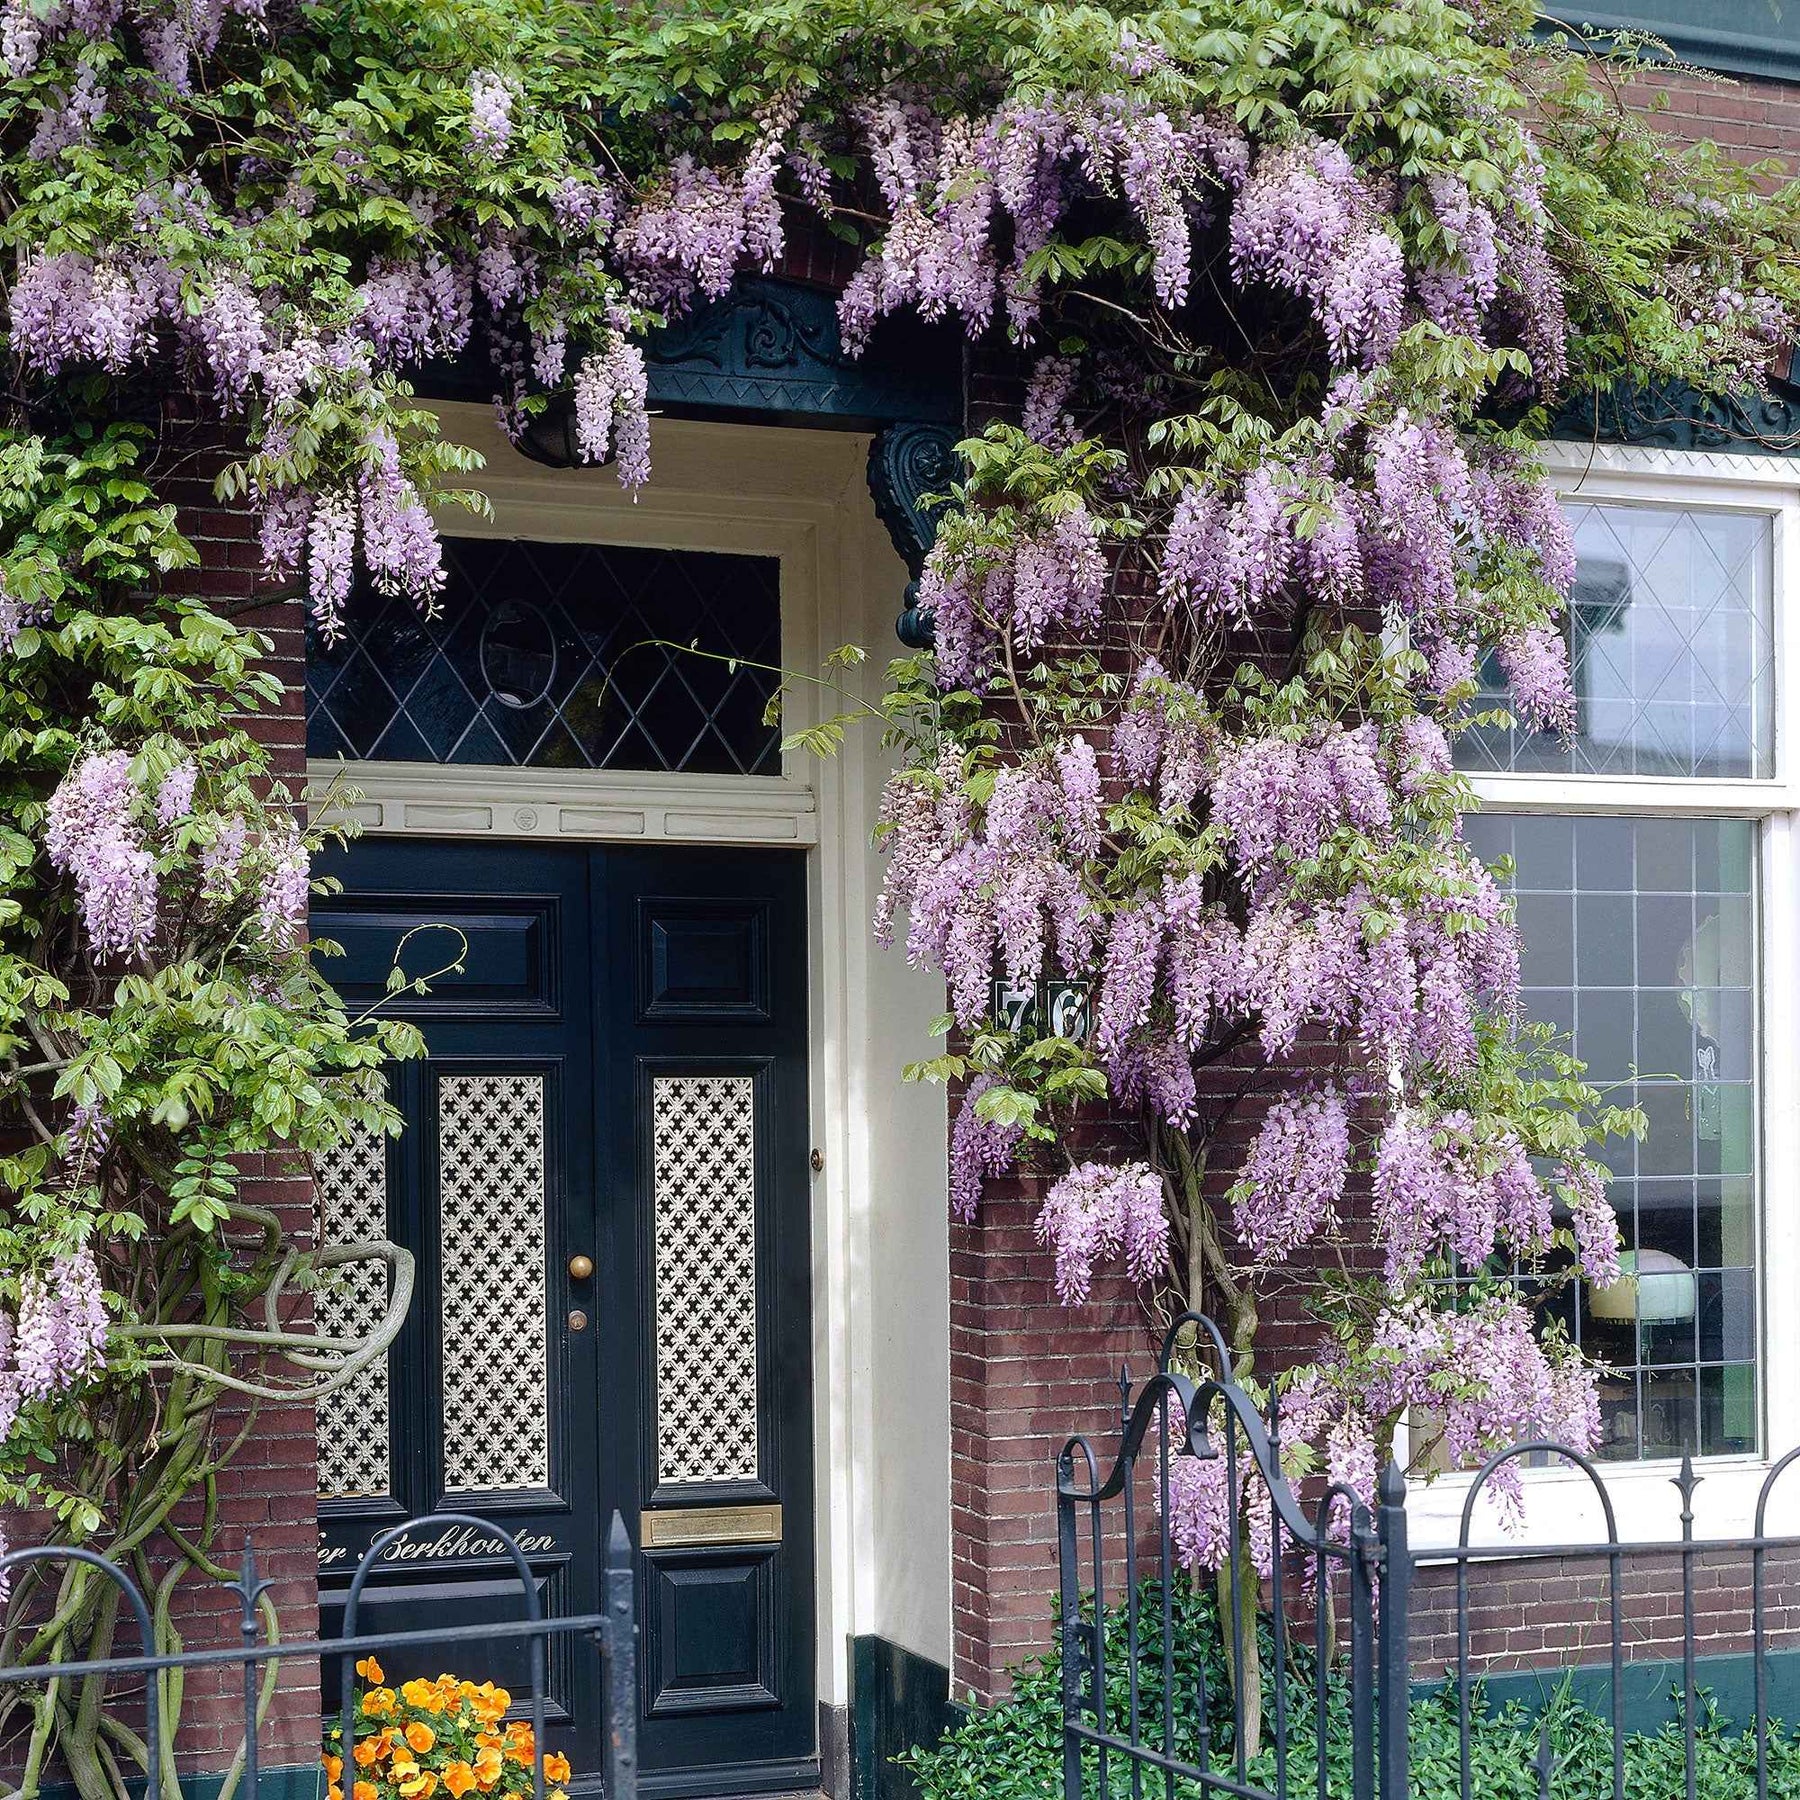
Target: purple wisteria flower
1098	1210
416	308
62	1327
611	409
72	120
399	540
1045	416
1457	291
978	1149
281	900
222	858
331	560
1306	221
1294	1179
490	114
92	834
283	528
1536	664
175	797
1596	1225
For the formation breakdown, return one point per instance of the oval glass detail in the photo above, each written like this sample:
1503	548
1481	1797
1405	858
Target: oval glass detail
518	654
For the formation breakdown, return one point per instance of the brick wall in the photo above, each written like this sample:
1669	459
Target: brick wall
1533	1611
1026	1372
268	1491
1752	119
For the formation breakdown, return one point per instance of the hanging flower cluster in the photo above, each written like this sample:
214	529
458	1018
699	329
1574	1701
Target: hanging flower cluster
1098	1211
115	840
57	1342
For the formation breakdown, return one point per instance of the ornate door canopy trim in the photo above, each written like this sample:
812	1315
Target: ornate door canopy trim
1670	415
769	353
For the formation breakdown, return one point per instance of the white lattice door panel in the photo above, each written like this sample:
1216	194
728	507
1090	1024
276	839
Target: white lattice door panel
350	1206
491	1250
704	1187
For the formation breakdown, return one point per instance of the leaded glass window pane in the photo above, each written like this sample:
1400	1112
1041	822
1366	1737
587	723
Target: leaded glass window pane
560	656
1640	940
1672	650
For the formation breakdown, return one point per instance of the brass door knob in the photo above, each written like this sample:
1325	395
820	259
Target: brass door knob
581	1267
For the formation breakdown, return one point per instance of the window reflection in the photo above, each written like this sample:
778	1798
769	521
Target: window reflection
1639	940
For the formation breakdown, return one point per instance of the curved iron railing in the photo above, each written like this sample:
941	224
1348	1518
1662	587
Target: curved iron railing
613	1631
1121	1643
1212	1419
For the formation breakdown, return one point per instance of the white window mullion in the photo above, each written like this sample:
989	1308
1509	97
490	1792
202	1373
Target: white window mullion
1780	1321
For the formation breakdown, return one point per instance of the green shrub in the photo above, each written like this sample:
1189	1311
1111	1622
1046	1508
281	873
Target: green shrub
1014	1749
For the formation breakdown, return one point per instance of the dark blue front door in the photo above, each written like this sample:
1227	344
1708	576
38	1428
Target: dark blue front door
604	1180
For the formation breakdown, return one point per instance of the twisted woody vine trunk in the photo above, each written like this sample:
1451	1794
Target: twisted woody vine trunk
1213	1287
1207	622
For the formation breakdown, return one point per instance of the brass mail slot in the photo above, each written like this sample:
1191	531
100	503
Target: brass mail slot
689	1527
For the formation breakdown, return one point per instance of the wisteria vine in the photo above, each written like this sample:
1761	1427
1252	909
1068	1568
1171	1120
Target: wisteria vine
1207	619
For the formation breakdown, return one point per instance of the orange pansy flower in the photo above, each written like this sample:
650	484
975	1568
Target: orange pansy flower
459	1778
334	1792
364	1790
421	1786
334	1767
420	1736
487	1766
378	1701
556	1767
370	1670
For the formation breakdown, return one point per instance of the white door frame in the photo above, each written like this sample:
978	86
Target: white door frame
801	497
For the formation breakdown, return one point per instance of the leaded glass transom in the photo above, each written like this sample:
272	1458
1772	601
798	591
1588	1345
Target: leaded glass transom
1638	938
491	1200
704	1133
350	1204
1672	650
560	656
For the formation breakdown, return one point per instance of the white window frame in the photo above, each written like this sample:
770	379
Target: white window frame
1560	1505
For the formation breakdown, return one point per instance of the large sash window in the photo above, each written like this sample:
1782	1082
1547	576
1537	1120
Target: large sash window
1648	852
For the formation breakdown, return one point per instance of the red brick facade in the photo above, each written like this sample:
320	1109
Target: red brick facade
269	1489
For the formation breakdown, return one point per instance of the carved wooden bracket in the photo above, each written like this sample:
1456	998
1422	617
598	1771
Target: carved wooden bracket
907	462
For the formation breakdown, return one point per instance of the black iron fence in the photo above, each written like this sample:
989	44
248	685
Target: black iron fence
611	1631
1294	1670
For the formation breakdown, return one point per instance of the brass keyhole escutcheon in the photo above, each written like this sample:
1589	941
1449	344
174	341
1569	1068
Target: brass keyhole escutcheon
578	1321
580	1267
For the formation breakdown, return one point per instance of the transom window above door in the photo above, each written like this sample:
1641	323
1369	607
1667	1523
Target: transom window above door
560	656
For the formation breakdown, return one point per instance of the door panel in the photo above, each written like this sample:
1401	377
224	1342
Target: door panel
707	1082
617	1070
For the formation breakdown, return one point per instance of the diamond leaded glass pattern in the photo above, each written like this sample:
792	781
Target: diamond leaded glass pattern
560	656
350	1207
491	1242
704	1130
1673	650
